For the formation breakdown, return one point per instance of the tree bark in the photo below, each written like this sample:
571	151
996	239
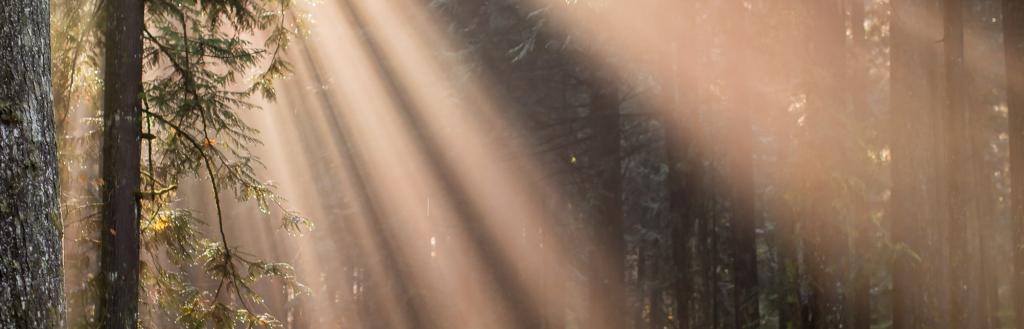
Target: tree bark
31	277
119	249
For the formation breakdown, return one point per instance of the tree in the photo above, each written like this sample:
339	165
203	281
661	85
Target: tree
1013	40
687	195
186	115
914	55
740	164
958	142
608	283
122	117
31	279
859	295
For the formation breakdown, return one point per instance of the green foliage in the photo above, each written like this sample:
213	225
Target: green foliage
200	84
201	68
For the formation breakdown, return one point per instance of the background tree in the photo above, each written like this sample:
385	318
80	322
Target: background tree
1013	38
121	165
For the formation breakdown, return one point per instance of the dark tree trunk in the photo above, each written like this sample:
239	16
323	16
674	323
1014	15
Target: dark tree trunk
788	274
119	260
714	318
31	277
744	221
957	143
740	163
1013	39
607	286
687	197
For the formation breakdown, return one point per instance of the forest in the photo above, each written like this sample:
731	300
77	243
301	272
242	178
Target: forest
512	164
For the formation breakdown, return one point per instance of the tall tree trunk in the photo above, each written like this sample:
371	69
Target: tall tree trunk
686	202
687	195
860	283
31	277
740	162
911	205
607	288
658	318
745	295
119	260
823	234
985	210
957	143
1013	40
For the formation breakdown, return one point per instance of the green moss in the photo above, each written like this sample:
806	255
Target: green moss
55	220
34	161
10	112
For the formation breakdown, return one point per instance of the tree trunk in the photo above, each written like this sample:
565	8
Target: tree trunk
860	282
911	206
740	162
31	277
607	288
1013	39
957	121
822	230
119	260
687	195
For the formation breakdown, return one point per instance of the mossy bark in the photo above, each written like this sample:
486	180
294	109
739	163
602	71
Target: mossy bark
31	280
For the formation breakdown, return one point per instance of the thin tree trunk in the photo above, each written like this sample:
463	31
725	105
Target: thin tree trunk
607	287
913	53
740	162
714	314
657	309
860	287
745	294
957	143
31	277
1013	39
687	194
823	233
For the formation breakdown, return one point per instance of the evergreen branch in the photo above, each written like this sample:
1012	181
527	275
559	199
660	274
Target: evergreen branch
151	194
228	264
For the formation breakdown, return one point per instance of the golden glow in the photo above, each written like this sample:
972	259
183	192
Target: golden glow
416	190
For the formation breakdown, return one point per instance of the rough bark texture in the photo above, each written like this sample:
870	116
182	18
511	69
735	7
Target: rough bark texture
1013	39
119	260
31	281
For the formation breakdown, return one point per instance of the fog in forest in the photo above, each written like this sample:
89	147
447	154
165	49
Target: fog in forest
512	164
